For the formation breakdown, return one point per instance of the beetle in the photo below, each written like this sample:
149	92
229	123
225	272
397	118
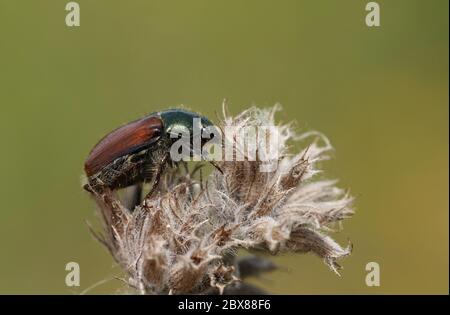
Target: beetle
138	151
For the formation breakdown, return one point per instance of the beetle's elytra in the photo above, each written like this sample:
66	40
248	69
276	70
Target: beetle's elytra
125	140
138	151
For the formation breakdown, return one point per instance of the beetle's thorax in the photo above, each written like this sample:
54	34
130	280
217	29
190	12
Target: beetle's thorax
180	121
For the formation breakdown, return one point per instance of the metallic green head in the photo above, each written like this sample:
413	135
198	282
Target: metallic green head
180	120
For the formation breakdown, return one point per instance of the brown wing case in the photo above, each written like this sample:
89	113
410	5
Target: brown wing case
127	139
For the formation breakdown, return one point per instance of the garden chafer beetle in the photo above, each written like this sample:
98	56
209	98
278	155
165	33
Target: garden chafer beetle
139	151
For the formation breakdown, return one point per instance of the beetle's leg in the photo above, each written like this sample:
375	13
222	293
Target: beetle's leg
205	157
157	177
213	163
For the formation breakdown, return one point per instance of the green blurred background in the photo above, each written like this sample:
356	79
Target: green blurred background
380	94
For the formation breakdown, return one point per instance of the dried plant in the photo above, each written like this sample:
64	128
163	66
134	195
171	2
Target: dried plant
184	239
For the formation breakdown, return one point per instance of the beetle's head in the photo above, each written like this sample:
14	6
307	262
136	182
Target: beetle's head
179	121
